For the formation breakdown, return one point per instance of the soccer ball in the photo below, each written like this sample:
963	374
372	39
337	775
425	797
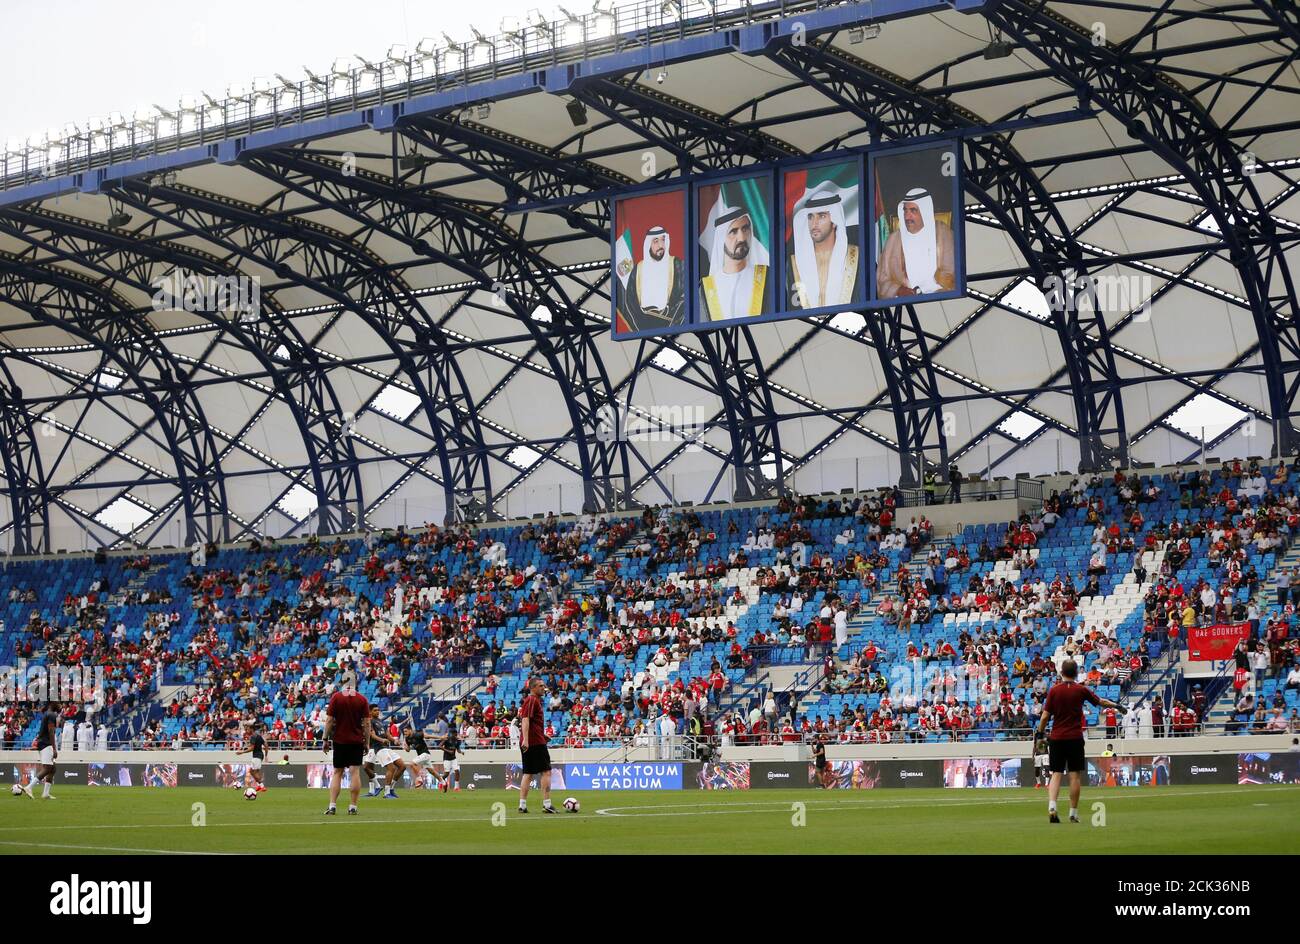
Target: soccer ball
571	805
470	786
17	790
250	794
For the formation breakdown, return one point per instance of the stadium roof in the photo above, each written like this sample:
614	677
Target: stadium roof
423	247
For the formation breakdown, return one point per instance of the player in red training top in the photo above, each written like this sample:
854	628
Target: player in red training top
1064	706
532	745
348	725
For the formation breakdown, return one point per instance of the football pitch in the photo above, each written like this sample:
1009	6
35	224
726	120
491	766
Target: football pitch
1173	820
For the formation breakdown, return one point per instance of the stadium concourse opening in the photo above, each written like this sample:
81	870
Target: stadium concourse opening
793	427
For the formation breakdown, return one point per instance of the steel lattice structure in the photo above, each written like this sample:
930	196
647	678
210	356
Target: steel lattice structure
430	254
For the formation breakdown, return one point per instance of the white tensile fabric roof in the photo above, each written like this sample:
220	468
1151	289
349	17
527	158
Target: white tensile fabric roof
995	340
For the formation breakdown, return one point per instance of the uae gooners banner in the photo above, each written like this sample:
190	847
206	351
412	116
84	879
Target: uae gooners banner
1211	643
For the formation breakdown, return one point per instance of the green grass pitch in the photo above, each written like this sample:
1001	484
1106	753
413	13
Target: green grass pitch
1200	820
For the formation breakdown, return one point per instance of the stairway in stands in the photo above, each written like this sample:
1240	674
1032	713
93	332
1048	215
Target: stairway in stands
1266	595
531	636
136	584
1220	713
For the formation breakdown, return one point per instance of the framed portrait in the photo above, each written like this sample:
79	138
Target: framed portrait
824	250
734	226
916	225
649	253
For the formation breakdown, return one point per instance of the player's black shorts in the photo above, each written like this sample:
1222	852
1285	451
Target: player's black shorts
347	755
536	759
1065	756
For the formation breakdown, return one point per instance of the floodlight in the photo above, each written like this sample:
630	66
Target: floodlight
117	217
577	112
413	160
315	80
482	49
453	57
603	21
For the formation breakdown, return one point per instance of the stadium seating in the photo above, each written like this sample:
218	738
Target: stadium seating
677	614
1062	553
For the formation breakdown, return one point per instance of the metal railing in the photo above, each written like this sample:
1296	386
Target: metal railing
521	47
1156	679
995	490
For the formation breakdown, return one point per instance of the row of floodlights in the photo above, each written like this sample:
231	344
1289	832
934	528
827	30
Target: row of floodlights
356	74
348	76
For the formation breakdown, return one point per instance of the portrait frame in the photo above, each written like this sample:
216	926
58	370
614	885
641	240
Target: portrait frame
889	158
862	290
633	206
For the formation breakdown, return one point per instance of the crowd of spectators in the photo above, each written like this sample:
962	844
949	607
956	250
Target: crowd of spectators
275	631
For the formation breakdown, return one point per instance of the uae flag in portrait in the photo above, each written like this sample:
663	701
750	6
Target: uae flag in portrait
750	193
879	216
623	257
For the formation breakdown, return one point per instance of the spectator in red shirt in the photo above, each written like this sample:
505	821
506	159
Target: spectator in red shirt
717	682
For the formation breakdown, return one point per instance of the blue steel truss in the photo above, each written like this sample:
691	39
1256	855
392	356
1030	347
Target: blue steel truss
85	279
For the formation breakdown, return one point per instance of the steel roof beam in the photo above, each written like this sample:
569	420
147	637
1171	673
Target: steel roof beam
1162	115
387	306
128	341
140	259
29	504
454	234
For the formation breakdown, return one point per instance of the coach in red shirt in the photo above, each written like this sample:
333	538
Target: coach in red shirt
532	745
1064	706
347	724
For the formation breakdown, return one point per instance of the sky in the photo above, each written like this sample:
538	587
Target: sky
67	61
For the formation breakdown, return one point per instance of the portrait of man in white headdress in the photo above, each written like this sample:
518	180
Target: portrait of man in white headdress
737	284
824	263
919	255
655	291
